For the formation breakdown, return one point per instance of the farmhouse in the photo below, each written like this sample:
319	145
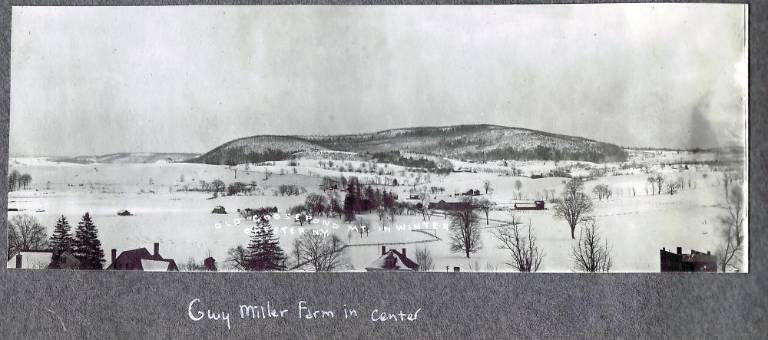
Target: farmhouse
450	204
392	260
470	192
30	260
414	197
536	205
43	260
141	259
693	262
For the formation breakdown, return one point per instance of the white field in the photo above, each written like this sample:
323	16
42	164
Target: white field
636	226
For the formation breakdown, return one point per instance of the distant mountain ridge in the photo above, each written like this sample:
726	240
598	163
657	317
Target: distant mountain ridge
129	157
471	142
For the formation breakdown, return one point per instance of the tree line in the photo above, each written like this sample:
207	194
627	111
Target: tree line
395	157
590	253
25	233
599	154
17	180
264	253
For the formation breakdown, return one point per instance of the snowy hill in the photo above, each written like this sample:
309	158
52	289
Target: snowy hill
257	149
471	142
128	158
477	142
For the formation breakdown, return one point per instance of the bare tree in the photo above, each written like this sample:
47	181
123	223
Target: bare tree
485	206
424	200
731	245
728	177
316	204
237	258
363	225
465	234
192	265
424	259
25	233
672	188
24	180
381	212
652	181
602	191
525	254
13	180
218	185
322	253
574	206
659	182
591	253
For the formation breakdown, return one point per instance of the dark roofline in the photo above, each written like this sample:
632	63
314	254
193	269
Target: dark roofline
405	260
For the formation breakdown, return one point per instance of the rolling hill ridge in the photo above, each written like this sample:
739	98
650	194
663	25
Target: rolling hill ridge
470	142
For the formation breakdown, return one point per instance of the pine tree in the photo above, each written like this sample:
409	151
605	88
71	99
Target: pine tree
349	206
61	239
87	247
264	252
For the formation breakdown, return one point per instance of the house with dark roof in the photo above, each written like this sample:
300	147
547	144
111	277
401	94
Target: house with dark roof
392	260
471	192
141	259
66	260
42	260
30	260
694	262
536	205
450	204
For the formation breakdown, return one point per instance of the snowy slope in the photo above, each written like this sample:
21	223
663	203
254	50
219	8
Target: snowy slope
127	158
460	141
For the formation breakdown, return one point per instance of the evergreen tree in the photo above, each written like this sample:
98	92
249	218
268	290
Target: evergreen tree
61	239
358	197
349	206
87	247
371	196
264	252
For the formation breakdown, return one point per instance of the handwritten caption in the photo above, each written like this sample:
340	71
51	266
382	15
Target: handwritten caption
198	311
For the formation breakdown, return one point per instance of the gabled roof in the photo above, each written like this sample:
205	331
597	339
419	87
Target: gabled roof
134	260
66	261
32	260
402	263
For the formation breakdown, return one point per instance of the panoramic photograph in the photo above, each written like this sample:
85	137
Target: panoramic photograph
569	138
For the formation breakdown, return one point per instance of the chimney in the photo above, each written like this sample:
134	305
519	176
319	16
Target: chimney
18	261
679	250
157	249
383	250
114	255
403	251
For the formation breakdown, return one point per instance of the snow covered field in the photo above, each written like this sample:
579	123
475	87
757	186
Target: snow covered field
636	223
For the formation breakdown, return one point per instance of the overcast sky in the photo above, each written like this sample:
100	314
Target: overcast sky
185	79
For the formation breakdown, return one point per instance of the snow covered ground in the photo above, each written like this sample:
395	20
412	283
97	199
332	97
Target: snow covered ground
636	223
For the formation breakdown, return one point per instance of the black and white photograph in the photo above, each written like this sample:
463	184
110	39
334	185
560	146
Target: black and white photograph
607	138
